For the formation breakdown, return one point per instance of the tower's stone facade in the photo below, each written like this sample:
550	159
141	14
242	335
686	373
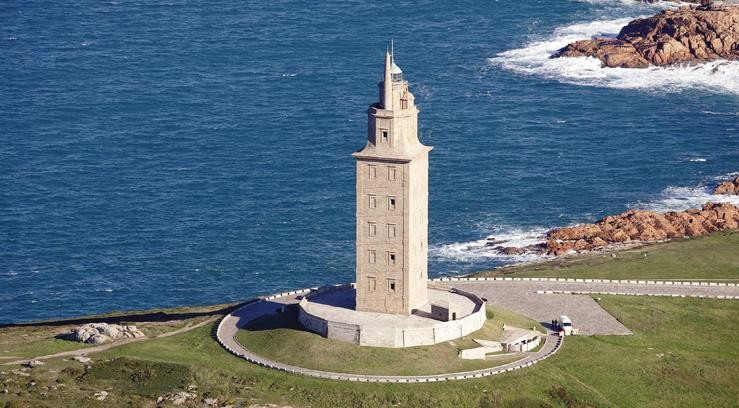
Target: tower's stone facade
392	203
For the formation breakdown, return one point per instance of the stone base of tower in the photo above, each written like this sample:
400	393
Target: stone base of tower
450	314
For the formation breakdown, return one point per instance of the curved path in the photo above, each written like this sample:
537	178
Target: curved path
541	299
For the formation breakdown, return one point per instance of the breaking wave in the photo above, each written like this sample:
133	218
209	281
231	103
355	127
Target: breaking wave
676	198
533	59
484	249
670	199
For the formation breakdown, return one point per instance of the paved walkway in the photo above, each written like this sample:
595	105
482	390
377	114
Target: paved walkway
527	297
586	314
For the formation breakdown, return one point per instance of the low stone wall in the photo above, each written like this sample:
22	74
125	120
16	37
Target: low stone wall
578	280
229	342
393	337
594	292
526	346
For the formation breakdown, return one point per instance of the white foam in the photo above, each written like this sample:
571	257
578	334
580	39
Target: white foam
720	113
682	198
533	59
477	251
697	160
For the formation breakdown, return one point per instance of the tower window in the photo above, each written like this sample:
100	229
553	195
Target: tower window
385	135
391	203
391	173
372	256
372	201
391	230
391	285
404	104
372	229
372	171
391	258
372	284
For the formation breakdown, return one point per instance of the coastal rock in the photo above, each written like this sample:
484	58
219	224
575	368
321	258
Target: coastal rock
34	363
688	34
613	53
82	359
511	250
730	187
643	226
492	241
177	398
99	333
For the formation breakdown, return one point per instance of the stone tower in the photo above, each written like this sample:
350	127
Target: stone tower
392	203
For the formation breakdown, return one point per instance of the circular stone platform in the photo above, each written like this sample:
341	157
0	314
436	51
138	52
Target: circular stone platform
330	312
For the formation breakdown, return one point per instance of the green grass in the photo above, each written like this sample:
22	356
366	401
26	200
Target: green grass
713	257
290	343
27	340
683	353
140	377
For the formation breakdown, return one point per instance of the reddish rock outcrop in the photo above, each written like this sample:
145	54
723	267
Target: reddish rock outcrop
643	226
727	188
689	34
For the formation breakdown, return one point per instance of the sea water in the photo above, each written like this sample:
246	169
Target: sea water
167	153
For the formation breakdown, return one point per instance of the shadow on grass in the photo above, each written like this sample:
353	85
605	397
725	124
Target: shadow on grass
284	320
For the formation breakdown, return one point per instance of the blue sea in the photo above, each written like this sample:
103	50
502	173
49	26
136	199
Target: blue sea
167	153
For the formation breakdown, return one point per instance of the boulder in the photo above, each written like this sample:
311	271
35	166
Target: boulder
100	396
511	250
82	359
729	187
99	333
643	226
177	398
33	363
686	35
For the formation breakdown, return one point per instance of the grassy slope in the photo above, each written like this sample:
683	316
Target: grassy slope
682	354
293	345
714	257
36	339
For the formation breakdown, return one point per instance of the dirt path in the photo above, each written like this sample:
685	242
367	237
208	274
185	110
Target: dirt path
103	347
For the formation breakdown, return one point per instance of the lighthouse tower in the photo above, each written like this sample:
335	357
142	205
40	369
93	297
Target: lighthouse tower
392	203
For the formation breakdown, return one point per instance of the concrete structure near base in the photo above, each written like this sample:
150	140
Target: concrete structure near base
330	313
514	340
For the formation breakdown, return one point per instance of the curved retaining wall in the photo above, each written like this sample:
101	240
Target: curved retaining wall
228	342
394	337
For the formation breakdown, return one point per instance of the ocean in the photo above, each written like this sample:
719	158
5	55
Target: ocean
170	153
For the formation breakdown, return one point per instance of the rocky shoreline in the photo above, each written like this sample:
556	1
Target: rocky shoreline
643	226
730	187
691	34
634	227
